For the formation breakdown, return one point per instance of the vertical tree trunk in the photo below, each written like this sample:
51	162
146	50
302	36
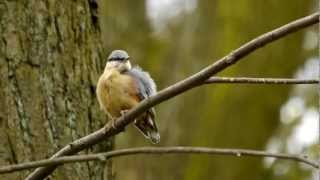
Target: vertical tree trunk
50	57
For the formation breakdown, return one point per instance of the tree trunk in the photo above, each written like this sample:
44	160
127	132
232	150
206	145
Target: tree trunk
50	57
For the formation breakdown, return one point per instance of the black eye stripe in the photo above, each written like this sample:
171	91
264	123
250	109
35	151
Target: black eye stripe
118	59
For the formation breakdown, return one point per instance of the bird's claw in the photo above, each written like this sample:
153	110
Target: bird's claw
123	112
113	123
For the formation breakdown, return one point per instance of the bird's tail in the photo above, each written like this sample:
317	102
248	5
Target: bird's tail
148	127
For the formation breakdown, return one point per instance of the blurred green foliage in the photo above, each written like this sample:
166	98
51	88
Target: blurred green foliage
226	116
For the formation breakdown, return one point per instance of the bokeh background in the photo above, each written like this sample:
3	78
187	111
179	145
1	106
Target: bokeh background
52	53
175	38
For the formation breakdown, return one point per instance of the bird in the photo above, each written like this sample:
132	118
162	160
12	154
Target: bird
122	87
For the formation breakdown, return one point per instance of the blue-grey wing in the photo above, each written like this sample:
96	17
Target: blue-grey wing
145	83
146	88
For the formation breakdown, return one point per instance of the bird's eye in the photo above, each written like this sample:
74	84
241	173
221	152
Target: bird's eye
118	59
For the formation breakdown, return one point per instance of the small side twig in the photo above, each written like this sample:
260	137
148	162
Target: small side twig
247	80
155	150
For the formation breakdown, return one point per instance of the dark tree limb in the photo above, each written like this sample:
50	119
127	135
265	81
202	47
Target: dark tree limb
247	80
152	151
175	89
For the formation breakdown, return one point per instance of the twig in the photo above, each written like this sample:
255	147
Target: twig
155	150
174	90
247	80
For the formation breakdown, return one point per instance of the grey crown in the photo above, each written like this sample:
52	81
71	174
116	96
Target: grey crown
118	55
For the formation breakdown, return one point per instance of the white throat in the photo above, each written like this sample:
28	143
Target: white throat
120	66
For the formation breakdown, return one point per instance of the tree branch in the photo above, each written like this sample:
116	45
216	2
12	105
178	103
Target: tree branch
155	150
174	90
247	80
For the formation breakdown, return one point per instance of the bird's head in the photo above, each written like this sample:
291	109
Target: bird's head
119	59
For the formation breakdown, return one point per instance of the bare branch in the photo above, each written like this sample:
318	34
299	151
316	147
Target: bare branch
247	80
155	150
174	90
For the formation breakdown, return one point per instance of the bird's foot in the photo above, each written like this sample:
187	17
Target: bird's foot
123	112
106	127
113	123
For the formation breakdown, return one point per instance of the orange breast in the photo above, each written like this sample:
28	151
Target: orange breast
117	92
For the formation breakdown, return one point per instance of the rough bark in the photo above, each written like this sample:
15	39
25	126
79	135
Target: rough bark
50	57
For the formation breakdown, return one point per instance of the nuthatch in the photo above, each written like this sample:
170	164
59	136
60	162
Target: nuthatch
121	87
